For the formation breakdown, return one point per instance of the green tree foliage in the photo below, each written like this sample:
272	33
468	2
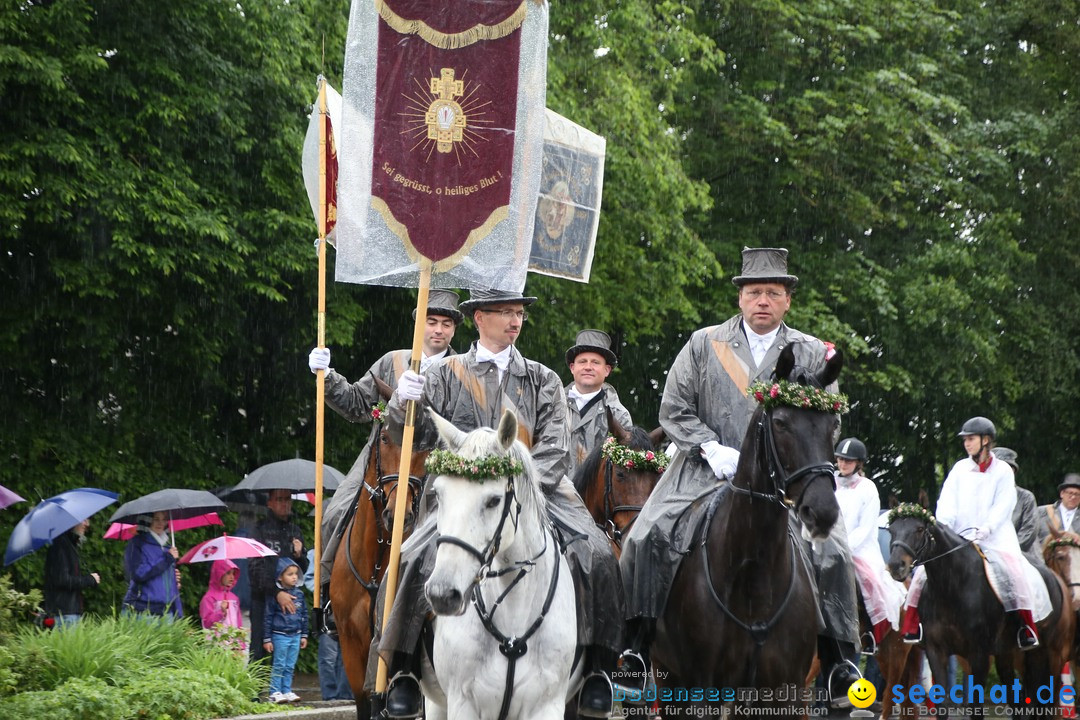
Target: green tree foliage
157	277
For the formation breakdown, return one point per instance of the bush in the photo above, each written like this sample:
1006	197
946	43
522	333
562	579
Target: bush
76	699
137	667
16	609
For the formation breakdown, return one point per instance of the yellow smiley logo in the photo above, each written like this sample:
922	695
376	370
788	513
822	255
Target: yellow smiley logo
862	693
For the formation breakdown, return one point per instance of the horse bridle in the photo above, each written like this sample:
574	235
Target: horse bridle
781	479
924	546
379	496
609	527
513	647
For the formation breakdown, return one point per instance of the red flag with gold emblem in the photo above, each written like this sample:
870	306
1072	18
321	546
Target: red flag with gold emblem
442	141
310	161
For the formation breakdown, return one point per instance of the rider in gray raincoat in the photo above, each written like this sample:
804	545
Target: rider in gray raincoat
705	411
588	398
471	391
354	401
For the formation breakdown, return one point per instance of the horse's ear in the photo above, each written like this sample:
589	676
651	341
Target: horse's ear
786	363
832	369
622	435
1054	531
508	426
657	437
893	501
924	498
451	436
385	391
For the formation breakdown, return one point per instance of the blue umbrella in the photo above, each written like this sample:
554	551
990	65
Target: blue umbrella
52	517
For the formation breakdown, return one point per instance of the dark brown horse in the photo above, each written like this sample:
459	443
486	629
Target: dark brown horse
363	552
742	608
961	614
615	494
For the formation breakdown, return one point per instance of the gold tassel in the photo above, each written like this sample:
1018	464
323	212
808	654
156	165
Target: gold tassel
451	41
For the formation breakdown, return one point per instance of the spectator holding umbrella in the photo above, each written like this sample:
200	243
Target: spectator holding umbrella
150	566
64	580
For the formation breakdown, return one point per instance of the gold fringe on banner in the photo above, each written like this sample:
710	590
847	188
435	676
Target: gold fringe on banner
451	41
497	216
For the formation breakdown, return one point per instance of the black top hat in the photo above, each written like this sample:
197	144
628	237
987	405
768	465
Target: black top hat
445	303
765	265
1071	480
596	341
480	298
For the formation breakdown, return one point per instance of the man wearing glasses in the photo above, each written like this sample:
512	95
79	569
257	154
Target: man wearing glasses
471	391
705	411
1062	515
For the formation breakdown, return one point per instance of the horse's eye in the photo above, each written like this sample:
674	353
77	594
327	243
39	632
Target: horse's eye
620	474
492	502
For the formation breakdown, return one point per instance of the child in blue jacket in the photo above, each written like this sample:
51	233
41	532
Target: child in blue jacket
285	632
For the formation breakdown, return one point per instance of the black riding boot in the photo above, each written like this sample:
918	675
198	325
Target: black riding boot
838	669
596	698
403	697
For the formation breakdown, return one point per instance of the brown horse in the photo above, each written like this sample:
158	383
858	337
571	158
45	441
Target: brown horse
614	494
363	552
741	612
1061	551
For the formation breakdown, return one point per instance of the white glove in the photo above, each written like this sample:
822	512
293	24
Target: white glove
319	359
410	386
981	533
722	459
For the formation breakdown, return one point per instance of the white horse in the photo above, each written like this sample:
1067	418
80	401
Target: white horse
512	655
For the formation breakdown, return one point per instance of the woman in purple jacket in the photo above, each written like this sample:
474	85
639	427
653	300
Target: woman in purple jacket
150	566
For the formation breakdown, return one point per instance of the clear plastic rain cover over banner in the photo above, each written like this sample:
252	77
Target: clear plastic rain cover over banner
441	142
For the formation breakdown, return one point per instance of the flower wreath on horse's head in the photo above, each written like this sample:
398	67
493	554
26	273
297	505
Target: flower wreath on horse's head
482	469
377	411
911	510
633	459
1066	539
804	397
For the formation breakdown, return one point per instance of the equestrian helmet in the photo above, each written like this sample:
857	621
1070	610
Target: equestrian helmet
978	425
851	449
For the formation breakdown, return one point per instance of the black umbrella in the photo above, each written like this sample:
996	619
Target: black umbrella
296	475
178	502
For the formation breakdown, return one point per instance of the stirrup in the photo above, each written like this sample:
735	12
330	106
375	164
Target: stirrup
632	665
329	625
841	701
406	679
1027	638
595	710
869	644
914	638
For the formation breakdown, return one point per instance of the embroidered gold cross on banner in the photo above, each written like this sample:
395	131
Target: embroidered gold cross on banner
444	117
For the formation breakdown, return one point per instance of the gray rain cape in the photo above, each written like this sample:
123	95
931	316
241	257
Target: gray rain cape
469	394
705	399
589	426
353	401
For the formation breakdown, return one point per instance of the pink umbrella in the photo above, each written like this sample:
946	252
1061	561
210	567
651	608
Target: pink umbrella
7	497
226	547
125	531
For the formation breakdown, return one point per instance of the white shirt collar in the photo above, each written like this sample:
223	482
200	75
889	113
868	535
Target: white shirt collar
582	399
760	344
425	362
501	359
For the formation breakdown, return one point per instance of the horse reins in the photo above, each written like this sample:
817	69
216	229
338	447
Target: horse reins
915	560
379	498
781	481
515	647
